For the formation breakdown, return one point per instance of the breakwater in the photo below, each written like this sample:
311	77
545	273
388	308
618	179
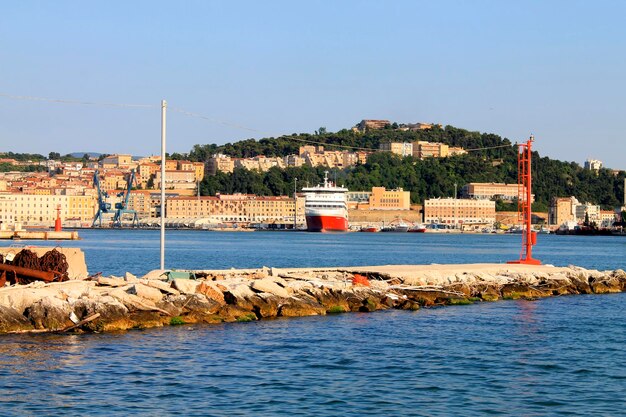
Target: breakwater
216	296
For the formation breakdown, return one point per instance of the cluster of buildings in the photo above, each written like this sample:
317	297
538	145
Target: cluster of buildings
317	156
68	190
569	212
422	149
308	155
370	124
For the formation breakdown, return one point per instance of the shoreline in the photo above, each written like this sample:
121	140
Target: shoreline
103	304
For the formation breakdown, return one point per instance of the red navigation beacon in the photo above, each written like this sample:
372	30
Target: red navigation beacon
524	201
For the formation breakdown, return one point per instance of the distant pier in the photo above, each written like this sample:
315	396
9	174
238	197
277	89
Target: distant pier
38	235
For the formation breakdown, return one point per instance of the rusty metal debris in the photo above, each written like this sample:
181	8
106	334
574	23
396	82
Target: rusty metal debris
26	267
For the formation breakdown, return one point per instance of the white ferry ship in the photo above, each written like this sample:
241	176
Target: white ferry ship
325	207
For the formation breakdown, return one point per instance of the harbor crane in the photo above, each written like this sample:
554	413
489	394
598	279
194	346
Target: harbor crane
103	206
121	208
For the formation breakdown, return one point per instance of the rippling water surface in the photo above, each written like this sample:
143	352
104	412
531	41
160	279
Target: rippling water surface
558	356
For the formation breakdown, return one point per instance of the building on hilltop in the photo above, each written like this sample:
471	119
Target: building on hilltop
423	149
397	148
121	161
221	163
416	126
593	165
365	125
260	163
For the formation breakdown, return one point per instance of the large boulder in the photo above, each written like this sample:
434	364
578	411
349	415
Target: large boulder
185	286
230	313
238	293
159	274
300	308
160	285
20	297
113	314
12	320
133	302
518	290
112	282
270	286
264	305
128	277
211	291
606	285
195	303
49	313
146	292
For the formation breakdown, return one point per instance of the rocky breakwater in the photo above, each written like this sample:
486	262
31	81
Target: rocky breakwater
120	303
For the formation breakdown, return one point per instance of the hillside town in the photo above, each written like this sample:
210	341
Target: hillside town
79	192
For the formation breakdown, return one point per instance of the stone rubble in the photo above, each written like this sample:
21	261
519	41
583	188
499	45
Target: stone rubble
245	295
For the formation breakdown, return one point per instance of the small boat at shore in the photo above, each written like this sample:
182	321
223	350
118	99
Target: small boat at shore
396	228
418	228
369	229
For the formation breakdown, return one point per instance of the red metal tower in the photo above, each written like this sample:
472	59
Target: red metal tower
57	222
524	201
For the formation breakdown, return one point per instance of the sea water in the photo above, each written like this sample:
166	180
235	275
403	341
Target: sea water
556	356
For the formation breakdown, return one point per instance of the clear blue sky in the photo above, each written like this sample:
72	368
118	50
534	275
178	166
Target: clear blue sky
552	68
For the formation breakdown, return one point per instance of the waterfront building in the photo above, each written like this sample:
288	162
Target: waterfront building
587	211
237	208
382	199
358	200
608	217
41	210
141	202
562	210
491	190
454	211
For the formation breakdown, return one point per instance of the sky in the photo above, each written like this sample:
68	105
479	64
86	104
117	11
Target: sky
254	69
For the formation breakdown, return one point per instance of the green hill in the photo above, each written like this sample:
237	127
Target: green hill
491	159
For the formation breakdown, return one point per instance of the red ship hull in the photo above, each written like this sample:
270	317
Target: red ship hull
326	224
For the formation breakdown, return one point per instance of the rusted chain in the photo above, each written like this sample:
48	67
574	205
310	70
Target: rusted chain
54	261
26	259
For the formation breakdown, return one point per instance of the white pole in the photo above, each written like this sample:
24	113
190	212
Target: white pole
295	204
163	112
455	223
